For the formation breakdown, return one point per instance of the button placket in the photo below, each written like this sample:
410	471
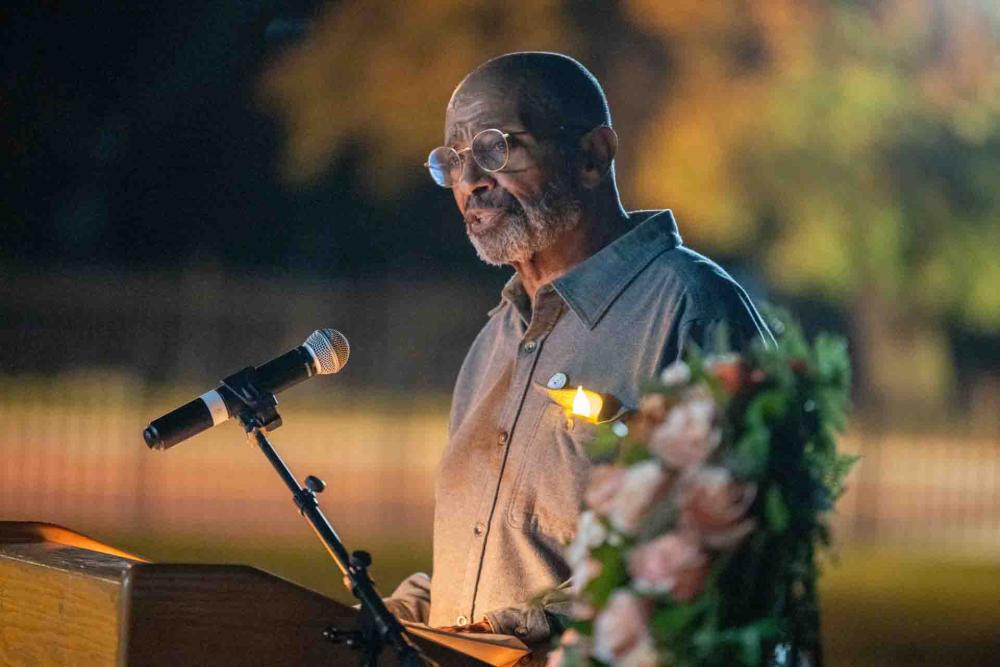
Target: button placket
547	314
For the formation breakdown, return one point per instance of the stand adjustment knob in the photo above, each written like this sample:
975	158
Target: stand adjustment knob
315	484
361	559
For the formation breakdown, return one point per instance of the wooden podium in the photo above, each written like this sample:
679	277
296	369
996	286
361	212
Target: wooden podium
66	599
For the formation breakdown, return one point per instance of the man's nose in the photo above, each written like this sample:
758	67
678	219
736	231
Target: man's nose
474	178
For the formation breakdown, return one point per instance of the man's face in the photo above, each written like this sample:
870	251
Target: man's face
523	208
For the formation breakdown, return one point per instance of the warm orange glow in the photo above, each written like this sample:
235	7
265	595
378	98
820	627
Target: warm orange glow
36	531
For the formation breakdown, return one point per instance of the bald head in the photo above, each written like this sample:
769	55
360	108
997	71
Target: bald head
546	90
557	182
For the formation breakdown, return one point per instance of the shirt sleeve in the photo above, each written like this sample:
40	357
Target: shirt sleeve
535	622
715	335
411	601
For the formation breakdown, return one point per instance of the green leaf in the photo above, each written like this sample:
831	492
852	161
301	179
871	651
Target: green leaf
751	453
776	511
632	453
605	445
613	573
671	623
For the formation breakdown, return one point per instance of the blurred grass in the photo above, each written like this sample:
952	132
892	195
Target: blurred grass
895	607
880	606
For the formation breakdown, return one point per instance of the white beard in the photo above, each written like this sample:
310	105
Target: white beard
524	232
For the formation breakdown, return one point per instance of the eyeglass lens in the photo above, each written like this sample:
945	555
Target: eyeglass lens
489	149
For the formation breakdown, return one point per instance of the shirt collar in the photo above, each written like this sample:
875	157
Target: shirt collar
590	287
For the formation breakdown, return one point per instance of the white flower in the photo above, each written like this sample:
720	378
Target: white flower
586	571
676	374
590	534
643	655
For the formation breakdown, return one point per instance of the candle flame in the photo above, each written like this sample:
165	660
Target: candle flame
581	404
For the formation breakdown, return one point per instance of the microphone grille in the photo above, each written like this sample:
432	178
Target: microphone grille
331	350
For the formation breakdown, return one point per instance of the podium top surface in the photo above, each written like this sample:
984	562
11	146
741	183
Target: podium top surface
69	559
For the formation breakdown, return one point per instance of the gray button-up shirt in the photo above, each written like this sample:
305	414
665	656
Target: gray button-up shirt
511	481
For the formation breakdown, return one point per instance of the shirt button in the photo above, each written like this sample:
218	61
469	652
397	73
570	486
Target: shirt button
461	620
479	529
530	346
502	438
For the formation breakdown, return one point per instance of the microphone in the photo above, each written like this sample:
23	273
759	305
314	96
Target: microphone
324	352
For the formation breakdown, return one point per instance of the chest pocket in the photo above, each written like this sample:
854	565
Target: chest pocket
555	470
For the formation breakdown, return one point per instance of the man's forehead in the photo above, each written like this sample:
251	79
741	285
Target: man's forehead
472	111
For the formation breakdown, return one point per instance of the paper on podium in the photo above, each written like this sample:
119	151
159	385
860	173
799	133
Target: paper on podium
498	650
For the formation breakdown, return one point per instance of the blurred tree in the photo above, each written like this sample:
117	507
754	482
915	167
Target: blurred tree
380	73
848	148
853	148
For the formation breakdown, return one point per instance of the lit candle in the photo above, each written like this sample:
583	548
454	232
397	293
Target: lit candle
581	403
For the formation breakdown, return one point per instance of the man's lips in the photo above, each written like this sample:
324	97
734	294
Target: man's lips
480	220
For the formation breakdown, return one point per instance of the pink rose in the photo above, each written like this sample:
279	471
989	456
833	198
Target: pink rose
714	505
621	627
605	482
673	563
643	485
688	435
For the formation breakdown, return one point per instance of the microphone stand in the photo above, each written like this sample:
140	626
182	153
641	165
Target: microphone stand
376	625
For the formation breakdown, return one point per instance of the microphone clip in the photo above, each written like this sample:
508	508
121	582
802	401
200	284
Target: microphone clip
259	408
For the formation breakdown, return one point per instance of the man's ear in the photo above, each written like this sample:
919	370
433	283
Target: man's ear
597	149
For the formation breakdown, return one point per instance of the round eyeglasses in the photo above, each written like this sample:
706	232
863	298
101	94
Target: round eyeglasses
489	149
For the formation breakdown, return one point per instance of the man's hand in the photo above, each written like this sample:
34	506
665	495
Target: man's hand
482	626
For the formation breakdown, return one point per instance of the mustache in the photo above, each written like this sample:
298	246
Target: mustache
491	199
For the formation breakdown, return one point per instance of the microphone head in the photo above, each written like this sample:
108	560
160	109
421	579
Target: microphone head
331	350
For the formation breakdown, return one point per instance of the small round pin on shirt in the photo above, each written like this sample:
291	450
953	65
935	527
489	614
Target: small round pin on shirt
557	381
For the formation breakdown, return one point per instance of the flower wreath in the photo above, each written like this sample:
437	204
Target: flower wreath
705	510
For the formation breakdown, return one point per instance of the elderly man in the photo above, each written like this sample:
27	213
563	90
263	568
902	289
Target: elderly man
600	298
